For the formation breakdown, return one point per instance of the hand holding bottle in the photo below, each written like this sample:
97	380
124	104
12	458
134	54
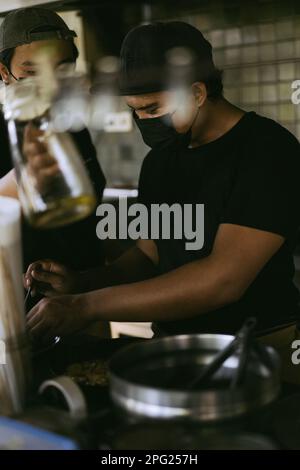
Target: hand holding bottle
43	167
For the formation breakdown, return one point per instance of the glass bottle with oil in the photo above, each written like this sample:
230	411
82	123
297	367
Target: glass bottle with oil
53	185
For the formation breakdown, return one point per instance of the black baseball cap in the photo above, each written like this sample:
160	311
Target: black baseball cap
27	25
144	58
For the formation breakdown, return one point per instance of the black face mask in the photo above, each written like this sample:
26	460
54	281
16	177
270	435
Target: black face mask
159	132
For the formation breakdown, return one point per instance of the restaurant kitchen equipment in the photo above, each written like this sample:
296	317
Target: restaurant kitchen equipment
106	426
204	377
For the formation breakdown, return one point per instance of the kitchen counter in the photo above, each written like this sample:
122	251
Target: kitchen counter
55	361
278	422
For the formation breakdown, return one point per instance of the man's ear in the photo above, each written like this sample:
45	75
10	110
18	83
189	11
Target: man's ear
200	93
4	73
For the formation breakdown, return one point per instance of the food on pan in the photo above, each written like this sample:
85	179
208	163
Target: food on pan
89	372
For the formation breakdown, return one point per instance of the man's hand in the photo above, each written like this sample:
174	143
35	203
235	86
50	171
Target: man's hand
51	279
42	166
57	316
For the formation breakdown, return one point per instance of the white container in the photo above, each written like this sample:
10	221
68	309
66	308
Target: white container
15	373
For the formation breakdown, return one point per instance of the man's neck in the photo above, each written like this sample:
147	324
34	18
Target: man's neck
218	118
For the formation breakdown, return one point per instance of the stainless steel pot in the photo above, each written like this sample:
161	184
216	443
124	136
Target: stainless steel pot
151	379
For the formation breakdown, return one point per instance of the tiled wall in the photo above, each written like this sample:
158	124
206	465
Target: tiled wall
257	44
260	62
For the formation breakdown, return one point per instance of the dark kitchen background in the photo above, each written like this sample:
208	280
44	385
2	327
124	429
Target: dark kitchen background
255	43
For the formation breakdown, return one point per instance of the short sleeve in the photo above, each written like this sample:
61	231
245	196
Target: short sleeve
265	193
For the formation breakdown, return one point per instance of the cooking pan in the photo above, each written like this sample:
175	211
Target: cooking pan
153	379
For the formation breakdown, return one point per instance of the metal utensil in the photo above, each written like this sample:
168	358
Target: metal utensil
239	344
56	338
243	338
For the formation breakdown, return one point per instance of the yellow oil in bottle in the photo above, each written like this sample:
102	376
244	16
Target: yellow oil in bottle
63	212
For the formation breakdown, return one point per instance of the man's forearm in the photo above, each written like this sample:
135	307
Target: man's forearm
132	266
190	290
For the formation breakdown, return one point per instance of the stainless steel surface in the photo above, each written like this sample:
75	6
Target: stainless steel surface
154	400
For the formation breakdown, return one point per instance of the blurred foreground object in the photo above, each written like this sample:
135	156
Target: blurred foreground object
15	371
54	188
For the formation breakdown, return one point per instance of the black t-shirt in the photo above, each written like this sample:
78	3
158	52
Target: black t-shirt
249	177
75	245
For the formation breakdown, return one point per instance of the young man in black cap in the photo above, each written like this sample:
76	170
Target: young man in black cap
23	33
243	167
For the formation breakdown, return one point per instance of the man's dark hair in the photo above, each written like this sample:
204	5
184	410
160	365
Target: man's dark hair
6	57
214	85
